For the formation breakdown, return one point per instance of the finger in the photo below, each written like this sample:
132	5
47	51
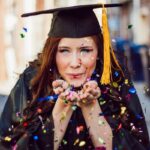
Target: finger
65	85
98	92
90	97
58	90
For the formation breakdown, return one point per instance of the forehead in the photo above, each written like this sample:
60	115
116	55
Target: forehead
85	41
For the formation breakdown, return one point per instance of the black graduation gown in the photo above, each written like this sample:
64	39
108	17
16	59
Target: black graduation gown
123	138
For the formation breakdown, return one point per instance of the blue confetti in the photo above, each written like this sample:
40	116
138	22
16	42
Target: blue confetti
35	137
116	74
47	98
132	90
139	116
25	29
115	148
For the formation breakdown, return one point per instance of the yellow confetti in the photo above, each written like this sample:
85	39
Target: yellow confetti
76	141
113	116
115	84
123	109
126	81
84	101
101	122
63	116
44	131
101	140
7	139
82	143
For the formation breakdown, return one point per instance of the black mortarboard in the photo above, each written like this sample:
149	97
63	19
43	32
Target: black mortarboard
81	21
75	21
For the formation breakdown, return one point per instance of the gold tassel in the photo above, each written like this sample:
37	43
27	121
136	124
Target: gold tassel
107	74
105	79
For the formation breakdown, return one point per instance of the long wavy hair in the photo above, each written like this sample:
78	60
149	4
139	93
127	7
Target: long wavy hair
41	83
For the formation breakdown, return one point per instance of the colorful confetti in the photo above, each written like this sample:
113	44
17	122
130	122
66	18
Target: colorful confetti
76	142
35	137
115	84
79	129
101	140
7	138
123	109
130	26
74	107
25	29
82	143
132	90
64	141
101	122
116	74
22	35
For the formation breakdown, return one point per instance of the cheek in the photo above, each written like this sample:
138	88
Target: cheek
61	63
90	65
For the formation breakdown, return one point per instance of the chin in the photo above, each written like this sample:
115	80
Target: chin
77	83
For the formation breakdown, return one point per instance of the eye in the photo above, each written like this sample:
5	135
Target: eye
63	50
85	50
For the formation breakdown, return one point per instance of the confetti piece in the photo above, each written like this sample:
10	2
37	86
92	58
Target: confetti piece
139	116
113	40
22	35
82	143
115	84
101	122
25	124
76	141
101	140
130	26
74	107
116	74
102	101
35	137
25	29
100	148
44	131
132	90
39	110
63	116
119	127
126	81
65	142
79	129
7	138
123	109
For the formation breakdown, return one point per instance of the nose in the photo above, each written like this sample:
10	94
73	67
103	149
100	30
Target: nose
75	61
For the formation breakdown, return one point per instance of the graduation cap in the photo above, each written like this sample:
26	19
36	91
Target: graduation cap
81	21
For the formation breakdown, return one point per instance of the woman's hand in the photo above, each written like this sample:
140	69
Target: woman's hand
61	112
89	93
62	88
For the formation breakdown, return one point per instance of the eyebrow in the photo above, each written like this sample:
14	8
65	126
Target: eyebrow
60	47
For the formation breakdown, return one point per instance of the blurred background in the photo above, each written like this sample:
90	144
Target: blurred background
23	38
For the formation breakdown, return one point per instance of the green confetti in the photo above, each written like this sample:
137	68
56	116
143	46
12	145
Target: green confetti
130	26
74	107
65	142
22	35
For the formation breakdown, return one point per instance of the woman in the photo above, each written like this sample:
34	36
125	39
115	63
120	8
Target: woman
75	94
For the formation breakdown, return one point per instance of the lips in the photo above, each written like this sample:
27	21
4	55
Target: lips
75	75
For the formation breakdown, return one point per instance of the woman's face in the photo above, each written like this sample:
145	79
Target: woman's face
76	59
